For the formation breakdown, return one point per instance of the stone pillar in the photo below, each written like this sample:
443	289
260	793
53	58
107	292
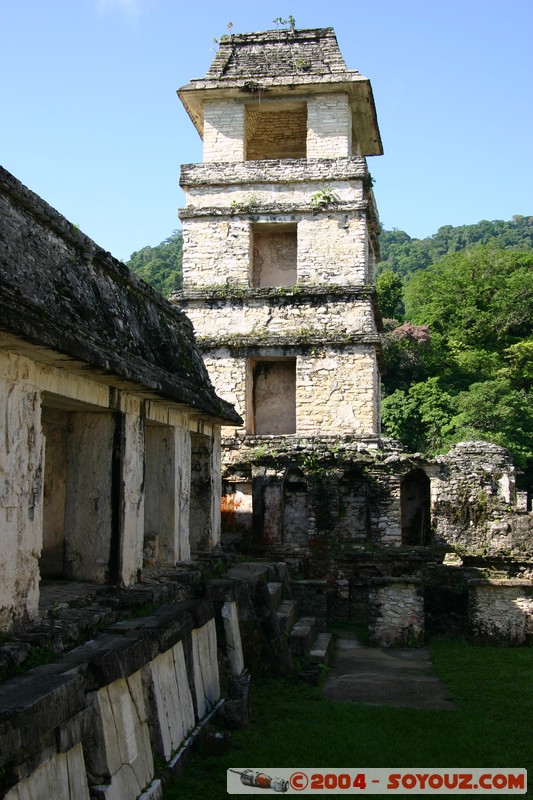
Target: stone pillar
183	481
132	505
206	490
329	126
224	138
522	502
396	611
21	476
167	492
216	487
88	510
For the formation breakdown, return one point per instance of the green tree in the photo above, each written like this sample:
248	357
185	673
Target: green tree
478	298
418	416
405	255
160	266
389	289
497	412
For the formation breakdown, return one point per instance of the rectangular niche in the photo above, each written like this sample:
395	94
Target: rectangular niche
273	393
275	254
276	133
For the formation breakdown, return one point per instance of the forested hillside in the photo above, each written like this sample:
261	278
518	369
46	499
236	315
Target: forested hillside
458	343
404	255
160	266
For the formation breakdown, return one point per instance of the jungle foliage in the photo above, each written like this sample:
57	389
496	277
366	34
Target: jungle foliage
459	353
160	266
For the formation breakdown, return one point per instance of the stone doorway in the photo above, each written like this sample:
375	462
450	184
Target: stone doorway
274	396
294	491
78	508
415	508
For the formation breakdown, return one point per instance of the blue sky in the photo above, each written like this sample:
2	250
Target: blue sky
92	123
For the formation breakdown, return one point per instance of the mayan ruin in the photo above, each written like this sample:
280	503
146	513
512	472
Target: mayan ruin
194	488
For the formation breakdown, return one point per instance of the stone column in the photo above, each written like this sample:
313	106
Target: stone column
132	505
21	475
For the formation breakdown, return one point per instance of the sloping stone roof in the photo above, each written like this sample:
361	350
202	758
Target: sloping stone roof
63	294
282	52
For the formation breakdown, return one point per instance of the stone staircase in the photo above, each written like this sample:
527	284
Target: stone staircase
308	643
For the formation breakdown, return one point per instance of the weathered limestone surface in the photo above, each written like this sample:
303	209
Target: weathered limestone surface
172	697
332	250
122	759
335	388
219	249
232	633
501	610
21	493
290	316
253	66
88	508
205	665
90	356
104	697
329	126
131	556
224	131
301	175
239	197
473	497
396	611
61	777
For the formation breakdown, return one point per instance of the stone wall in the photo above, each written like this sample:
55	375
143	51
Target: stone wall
224	136
276	132
396	611
60	291
85	515
331	250
94	722
501	610
335	386
329	126
291	314
473	497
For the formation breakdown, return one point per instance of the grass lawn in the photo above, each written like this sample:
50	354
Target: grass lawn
294	726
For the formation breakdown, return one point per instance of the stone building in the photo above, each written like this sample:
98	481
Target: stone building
110	428
280	237
280	244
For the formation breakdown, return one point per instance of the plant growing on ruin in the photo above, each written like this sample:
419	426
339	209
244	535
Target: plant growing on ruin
368	182
302	65
290	22
323	198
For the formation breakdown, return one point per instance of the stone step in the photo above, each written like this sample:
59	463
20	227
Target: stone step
301	636
321	649
275	590
251	572
286	615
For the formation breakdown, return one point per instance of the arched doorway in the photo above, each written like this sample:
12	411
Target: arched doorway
415	507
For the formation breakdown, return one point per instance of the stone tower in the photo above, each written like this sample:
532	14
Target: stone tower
280	239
